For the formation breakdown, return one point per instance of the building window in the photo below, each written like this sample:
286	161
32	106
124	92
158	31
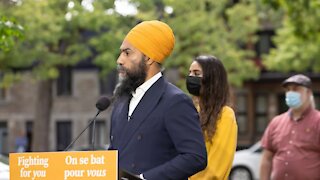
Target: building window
4	149
316	100
261	112
108	83
63	132
2	90
241	112
282	106
29	129
2	94
100	133
64	82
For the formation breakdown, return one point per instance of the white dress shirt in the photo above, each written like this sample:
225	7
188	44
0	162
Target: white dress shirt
139	93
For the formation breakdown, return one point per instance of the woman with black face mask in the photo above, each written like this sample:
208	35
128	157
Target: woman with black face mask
208	83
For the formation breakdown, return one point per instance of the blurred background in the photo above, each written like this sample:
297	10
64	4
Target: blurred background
57	57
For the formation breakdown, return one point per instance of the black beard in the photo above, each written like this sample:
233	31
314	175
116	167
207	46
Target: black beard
133	79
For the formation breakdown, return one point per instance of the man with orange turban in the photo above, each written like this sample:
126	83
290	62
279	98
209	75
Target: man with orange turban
154	125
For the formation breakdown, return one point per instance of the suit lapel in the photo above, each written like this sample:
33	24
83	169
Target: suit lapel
144	108
121	119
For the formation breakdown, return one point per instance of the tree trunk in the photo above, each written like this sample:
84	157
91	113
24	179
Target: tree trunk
40	141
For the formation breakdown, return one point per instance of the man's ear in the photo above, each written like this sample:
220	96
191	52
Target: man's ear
148	60
309	91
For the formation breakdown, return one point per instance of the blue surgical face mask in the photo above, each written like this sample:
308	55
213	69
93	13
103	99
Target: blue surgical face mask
293	99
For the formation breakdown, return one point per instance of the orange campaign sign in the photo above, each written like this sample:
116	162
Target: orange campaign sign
64	165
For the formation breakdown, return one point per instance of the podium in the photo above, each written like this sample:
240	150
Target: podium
89	165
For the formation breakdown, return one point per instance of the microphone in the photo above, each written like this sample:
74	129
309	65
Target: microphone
102	104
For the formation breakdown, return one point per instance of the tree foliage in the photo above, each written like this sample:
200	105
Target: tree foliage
298	40
209	27
10	30
58	33
60	36
62	33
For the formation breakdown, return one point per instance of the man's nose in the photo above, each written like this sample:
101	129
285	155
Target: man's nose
119	60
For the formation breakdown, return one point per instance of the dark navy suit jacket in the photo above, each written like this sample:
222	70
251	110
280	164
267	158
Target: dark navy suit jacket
163	139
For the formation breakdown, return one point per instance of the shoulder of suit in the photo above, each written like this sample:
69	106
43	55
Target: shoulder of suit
174	89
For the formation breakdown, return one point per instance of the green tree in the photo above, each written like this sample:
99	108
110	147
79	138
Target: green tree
56	36
298	39
9	32
212	27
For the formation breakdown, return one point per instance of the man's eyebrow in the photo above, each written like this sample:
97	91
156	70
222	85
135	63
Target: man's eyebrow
125	49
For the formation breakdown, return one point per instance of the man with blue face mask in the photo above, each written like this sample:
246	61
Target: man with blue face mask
291	142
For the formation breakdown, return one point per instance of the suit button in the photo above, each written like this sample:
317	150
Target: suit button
111	138
139	137
133	165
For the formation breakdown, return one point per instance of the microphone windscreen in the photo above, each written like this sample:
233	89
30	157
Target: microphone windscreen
103	103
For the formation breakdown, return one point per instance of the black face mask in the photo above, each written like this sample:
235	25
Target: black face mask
193	85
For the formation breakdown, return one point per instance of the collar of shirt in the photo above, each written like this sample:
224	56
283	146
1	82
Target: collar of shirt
140	91
306	112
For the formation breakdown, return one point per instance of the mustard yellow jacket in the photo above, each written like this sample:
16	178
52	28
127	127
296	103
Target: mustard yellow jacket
221	149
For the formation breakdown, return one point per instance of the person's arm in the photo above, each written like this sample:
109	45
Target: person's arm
266	165
183	126
222	147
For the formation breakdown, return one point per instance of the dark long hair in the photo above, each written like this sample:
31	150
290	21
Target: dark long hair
214	93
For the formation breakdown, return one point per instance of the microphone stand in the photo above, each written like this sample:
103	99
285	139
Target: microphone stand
93	134
92	120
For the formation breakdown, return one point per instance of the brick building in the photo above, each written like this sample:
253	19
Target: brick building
74	96
76	91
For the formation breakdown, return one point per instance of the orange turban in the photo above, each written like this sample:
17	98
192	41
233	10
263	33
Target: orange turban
154	38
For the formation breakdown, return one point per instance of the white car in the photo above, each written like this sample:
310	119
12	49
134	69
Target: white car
246	163
4	171
4	168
